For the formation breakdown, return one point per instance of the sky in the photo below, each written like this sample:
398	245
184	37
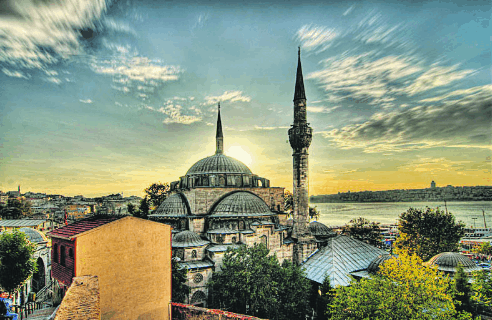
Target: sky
100	97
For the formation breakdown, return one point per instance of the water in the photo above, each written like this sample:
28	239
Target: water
338	214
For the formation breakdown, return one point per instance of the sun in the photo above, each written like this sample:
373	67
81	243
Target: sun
237	152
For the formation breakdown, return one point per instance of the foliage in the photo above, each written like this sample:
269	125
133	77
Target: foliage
132	209
180	290
364	230
482	291
484	248
16	208
324	295
17	262
156	193
288	201
313	213
461	290
252	282
404	289
428	232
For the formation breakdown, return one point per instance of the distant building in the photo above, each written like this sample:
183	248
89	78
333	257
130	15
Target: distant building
131	258
433	184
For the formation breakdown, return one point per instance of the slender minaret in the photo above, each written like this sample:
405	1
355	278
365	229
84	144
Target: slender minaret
300	135
219	137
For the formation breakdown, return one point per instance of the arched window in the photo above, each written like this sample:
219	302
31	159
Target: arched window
234	240
264	240
198	296
238	181
193	254
205	181
241	225
70	252
55	253
222	181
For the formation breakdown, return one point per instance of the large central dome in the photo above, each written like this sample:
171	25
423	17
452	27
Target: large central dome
218	163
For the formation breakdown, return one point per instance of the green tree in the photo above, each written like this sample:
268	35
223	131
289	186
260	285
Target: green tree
323	296
428	232
364	230
252	282
404	289
180	290
143	209
17	262
482	291
484	248
461	290
314	213
156	193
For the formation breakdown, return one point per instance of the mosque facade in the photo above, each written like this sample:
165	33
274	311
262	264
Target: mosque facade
219	204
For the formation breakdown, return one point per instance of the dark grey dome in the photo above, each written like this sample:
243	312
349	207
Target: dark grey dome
448	261
187	238
174	205
34	235
376	263
320	230
218	163
241	203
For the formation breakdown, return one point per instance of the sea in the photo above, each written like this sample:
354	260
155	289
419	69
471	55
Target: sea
338	214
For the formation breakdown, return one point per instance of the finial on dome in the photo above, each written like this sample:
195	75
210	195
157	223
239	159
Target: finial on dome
219	136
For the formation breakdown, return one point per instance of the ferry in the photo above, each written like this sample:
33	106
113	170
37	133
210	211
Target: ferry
477	233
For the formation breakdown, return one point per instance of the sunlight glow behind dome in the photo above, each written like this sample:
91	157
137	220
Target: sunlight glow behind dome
237	152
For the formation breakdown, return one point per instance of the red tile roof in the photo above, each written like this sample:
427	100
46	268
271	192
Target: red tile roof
72	230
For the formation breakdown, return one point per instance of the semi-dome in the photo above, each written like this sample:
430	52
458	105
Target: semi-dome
241	203
174	205
320	230
448	262
187	238
33	235
218	163
376	263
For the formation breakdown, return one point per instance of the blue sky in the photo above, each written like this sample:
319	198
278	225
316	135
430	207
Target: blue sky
100	97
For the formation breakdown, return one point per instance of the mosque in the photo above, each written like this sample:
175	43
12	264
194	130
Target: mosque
219	204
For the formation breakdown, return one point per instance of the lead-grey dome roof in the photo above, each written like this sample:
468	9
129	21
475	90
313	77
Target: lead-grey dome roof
175	205
218	163
187	238
34	235
448	261
241	203
376	263
320	230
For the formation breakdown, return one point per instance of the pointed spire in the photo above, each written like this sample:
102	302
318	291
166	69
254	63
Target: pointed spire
299	93
218	136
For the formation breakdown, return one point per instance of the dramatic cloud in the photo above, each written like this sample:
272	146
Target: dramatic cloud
464	122
316	37
177	113
36	33
436	77
232	96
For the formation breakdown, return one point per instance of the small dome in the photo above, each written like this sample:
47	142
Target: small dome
320	230
186	239
448	262
241	203
174	205
218	163
34	235
376	263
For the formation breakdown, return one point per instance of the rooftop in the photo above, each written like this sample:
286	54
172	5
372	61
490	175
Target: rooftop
72	230
21	223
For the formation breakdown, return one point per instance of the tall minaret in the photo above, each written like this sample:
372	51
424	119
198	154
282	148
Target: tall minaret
219	138
300	135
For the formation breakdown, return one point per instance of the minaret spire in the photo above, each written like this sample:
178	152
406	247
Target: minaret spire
219	138
299	92
300	135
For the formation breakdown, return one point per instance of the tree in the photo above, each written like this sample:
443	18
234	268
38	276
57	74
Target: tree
364	230
313	213
180	290
144	208
17	262
252	282
428	232
324	295
404	289
484	248
482	291
156	193
461	290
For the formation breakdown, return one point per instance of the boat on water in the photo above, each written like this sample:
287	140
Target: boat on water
477	233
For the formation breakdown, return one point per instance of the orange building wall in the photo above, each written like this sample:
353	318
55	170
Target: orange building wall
132	259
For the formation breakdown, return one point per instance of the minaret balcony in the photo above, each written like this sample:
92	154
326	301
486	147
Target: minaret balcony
300	136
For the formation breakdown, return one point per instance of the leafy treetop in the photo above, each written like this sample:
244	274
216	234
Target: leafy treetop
364	230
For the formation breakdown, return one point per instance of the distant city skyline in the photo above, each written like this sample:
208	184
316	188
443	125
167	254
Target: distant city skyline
105	97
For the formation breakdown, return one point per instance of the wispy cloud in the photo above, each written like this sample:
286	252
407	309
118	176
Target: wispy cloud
464	122
436	77
316	37
177	112
34	34
321	109
232	96
14	74
349	10
86	101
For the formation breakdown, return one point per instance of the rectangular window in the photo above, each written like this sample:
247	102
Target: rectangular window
62	255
